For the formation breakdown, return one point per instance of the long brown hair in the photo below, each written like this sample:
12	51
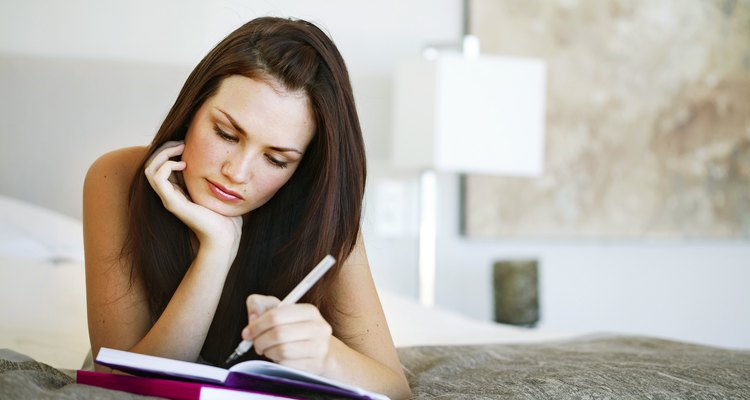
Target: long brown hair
315	213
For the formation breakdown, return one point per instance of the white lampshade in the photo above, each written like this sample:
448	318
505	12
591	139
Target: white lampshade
481	115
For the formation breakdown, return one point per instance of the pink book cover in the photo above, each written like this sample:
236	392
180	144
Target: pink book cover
177	390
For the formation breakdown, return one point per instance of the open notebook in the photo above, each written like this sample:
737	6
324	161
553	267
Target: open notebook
257	375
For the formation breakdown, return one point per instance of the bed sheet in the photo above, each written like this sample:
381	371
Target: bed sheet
43	312
412	324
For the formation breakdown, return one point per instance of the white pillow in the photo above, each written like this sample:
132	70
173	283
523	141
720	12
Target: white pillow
35	233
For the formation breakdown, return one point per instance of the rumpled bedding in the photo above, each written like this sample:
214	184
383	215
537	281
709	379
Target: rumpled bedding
612	367
625	367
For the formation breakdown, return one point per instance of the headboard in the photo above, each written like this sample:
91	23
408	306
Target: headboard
58	115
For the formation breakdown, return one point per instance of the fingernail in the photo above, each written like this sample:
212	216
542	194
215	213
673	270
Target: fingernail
245	332
252	316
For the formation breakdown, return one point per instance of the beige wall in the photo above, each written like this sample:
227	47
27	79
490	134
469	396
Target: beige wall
648	120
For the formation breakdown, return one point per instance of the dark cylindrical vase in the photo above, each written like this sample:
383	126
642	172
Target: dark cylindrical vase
516	285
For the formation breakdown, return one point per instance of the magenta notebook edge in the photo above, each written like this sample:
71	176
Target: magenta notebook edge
248	382
171	389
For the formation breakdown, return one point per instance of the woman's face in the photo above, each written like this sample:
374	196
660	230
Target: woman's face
244	143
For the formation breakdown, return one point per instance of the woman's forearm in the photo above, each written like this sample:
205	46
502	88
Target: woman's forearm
180	331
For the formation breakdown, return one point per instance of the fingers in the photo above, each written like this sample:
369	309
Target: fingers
289	332
271	317
308	340
160	171
258	304
173	148
294	351
164	183
164	172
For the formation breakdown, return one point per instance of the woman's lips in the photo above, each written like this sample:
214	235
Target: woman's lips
223	193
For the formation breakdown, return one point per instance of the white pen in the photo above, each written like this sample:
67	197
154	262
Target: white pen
323	266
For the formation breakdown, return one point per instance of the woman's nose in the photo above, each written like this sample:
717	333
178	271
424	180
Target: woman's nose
238	167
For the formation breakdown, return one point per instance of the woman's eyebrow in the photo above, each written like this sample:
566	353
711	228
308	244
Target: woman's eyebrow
285	149
242	131
232	121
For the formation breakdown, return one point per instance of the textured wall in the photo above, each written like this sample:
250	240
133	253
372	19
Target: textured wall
648	120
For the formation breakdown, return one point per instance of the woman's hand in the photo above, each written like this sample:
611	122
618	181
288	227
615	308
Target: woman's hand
295	335
211	228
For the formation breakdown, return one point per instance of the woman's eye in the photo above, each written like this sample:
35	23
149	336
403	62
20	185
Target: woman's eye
276	162
226	136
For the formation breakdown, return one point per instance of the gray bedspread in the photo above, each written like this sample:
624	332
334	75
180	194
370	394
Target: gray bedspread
602	368
592	368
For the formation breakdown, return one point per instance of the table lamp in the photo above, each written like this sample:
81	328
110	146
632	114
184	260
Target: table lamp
465	113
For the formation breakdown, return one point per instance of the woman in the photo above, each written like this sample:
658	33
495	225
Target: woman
257	172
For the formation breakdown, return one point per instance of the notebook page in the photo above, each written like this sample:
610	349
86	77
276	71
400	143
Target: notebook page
122	360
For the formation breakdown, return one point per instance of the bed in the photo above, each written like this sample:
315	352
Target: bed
445	355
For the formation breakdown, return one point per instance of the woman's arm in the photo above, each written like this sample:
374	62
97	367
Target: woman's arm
366	356
296	335
118	311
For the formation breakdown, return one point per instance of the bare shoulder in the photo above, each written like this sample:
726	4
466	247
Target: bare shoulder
116	168
105	202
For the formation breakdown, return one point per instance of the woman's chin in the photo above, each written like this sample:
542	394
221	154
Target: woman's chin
230	214
222	208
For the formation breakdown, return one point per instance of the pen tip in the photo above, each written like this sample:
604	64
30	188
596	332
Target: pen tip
231	358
